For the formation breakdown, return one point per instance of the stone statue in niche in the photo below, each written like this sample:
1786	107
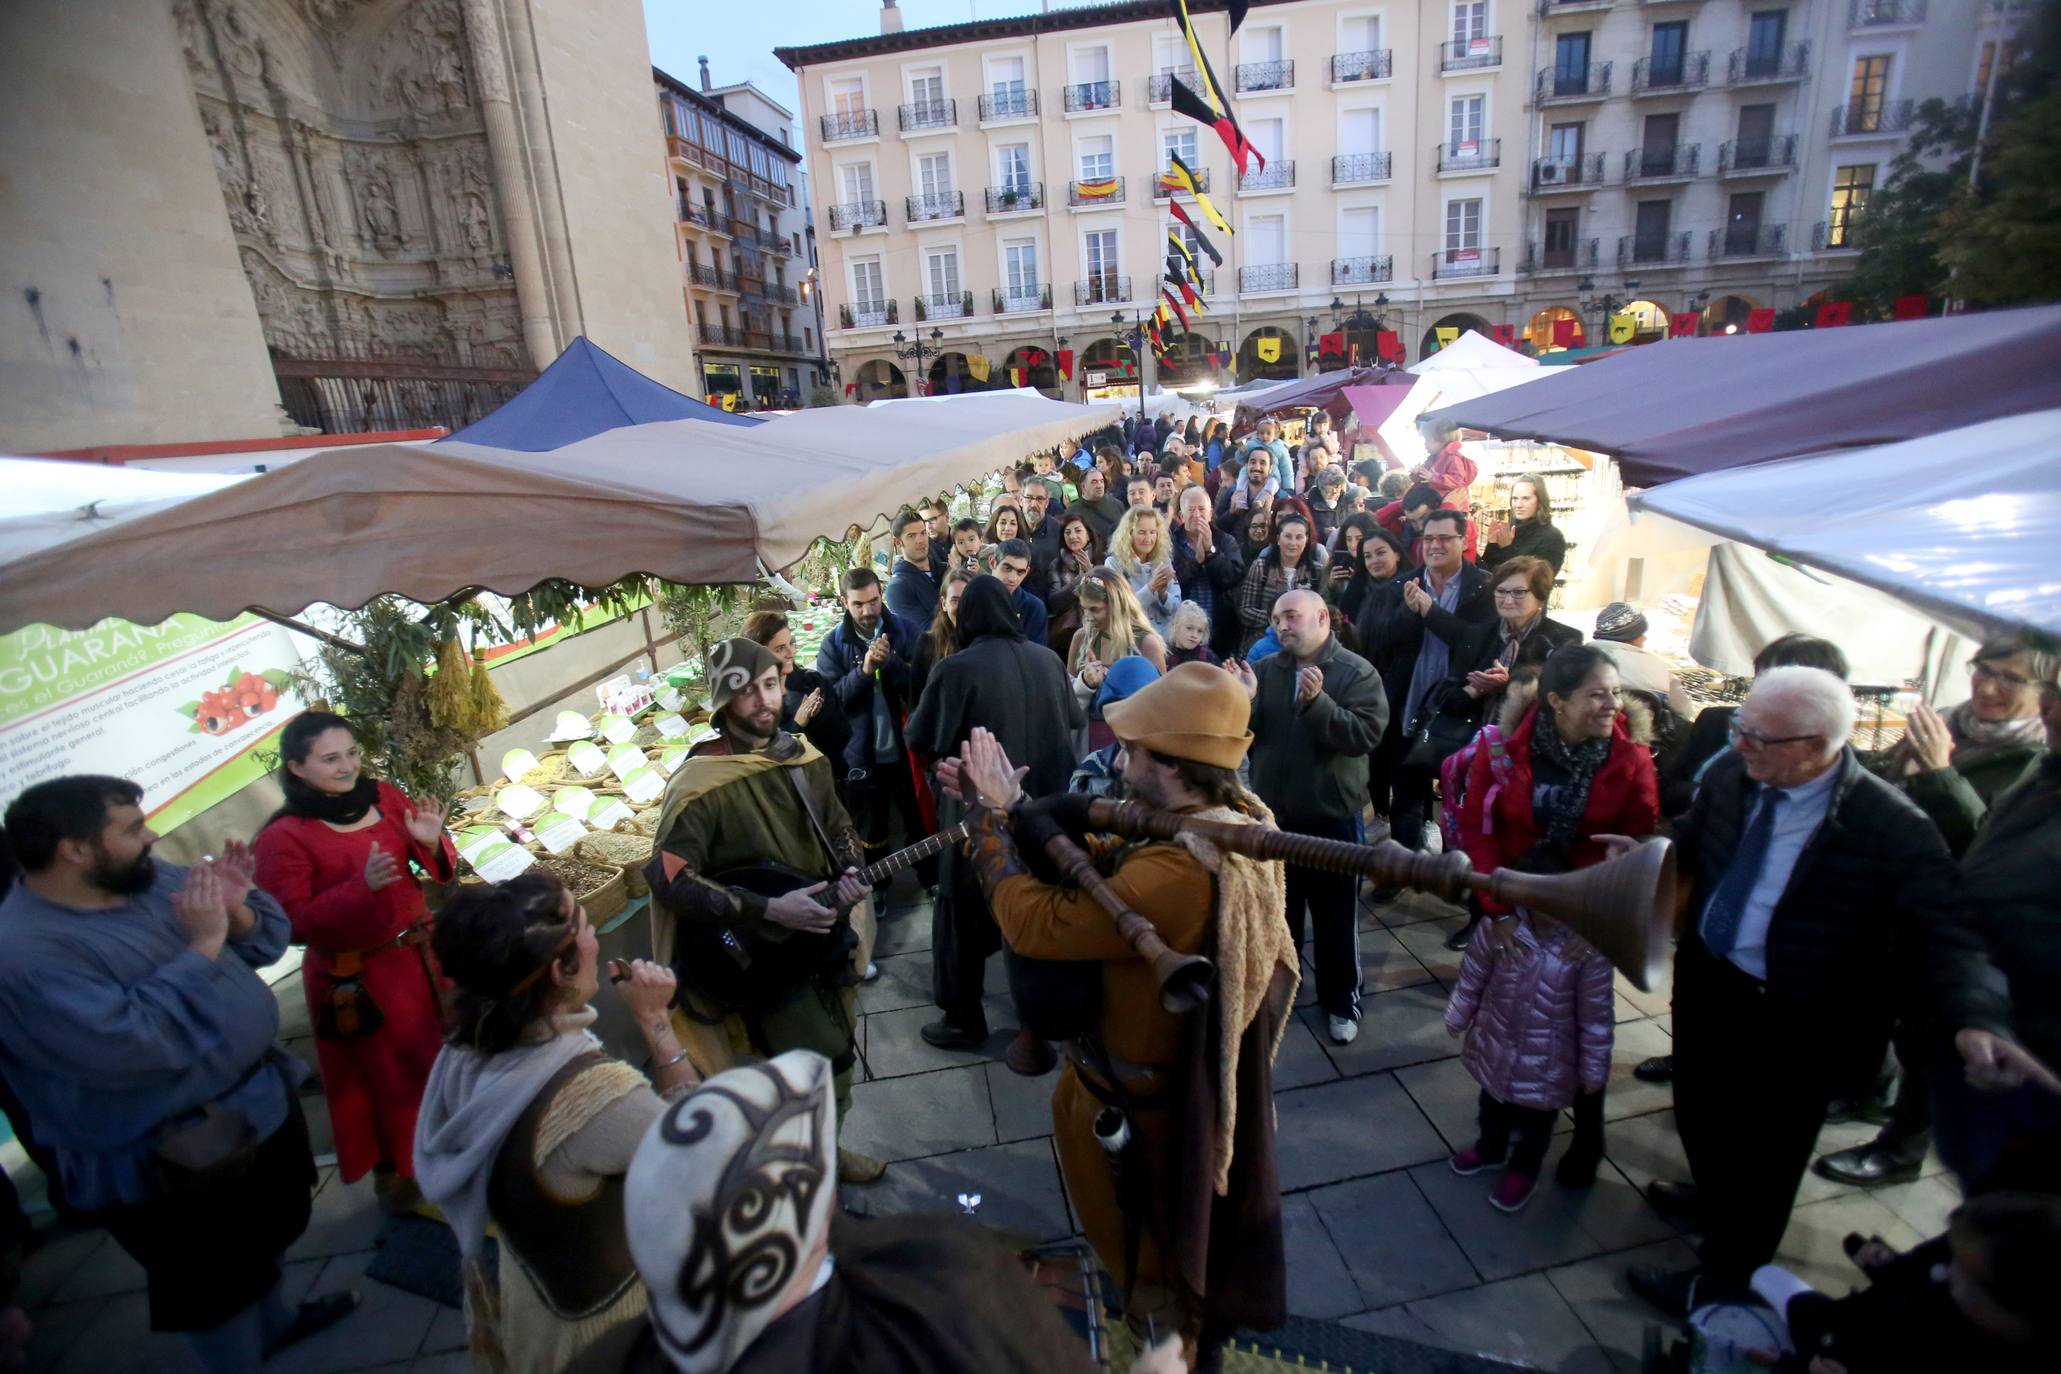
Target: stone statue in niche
382	216
472	218
240	47
431	77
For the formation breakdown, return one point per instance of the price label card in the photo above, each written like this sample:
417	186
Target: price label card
611	814
516	763
669	762
500	862
626	760
587	758
576	802
559	832
618	729
519	801
644	786
670	699
476	838
670	726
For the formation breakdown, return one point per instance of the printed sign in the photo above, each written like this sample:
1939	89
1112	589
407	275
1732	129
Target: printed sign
559	832
587	759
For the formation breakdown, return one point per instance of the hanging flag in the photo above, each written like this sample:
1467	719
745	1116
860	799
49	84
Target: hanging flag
1909	307
1832	314
1623	325
1034	357
1267	350
1189	105
1175	305
851	388
1682	324
1760	320
1567	333
977	366
1201	239
1186	179
1016	376
1180	248
1238	8
1193	298
1065	364
1331	346
1388	346
1504	334
1101	188
1210	87
1446	334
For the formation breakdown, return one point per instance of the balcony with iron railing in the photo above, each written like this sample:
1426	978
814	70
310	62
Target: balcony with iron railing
858	214
1000	105
1767	66
1371	64
945	305
711	277
1361	169
781	294
1093	95
1278	175
1015	199
1758	157
1076	198
690	214
1253	77
779	245
1653	250
1456	264
743	230
935	205
720	335
1362	271
1159	90
1749	241
1837	236
1541	260
1102	288
1470	54
1571	85
929	114
1886	14
1480	156
1203	279
1022	302
1273	276
850	124
1671	75
1554	174
867	315
1671	162
1871	118
1161	188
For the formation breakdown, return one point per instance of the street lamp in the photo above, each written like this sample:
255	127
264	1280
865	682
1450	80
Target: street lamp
1608	304
1136	339
908	349
1345	323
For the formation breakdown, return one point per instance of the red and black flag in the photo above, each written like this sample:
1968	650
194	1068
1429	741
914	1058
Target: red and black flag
1212	106
1201	240
1168	297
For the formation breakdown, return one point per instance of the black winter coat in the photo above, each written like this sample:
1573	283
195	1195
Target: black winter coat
1463	714
1528	539
1865	899
1016	689
1398	655
849	689
1309	763
1224	571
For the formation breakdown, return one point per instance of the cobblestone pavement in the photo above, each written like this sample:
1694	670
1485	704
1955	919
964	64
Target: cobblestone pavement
1380	1233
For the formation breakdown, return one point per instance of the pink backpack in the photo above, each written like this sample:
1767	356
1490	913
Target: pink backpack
1453	782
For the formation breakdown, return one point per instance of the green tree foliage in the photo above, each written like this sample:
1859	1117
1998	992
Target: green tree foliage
1898	253
2002	237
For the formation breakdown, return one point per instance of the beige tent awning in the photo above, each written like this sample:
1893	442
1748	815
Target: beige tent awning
682	500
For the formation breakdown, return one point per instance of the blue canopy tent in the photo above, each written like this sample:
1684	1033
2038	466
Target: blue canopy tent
587	390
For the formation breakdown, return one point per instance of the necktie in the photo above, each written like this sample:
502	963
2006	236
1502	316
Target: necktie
1721	915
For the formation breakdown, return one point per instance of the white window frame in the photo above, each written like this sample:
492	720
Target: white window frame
991	61
1077	52
1251	49
1030	171
911	75
1345	118
933	254
1188	132
878	263
1345	247
1019	295
1113	267
1445	216
1252	232
917	168
1080	166
1454	31
831	93
1351	17
1454	104
844	171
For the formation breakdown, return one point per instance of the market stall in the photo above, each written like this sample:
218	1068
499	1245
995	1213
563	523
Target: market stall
586	391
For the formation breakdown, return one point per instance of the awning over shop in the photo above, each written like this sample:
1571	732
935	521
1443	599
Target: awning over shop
1686	406
585	392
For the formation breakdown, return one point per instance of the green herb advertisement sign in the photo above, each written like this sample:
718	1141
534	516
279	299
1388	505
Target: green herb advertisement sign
179	708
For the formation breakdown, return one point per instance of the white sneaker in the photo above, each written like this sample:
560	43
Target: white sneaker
872	972
1344	1030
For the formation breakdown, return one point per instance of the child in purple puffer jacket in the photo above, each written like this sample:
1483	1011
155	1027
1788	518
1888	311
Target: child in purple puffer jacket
1535	1003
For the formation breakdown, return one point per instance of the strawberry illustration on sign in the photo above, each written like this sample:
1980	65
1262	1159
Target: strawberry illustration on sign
238	701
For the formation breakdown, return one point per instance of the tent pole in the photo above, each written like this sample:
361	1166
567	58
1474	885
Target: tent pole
298	627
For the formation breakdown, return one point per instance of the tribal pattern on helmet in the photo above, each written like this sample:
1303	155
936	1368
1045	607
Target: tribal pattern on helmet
732	667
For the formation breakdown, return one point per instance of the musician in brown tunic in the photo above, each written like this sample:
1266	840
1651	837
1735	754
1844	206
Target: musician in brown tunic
1164	1122
752	797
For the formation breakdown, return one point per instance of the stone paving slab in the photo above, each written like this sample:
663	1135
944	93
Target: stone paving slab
1376	1222
921	1114
1359	1126
1018	1183
1523	1320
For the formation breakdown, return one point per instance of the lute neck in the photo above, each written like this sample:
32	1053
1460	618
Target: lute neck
915	853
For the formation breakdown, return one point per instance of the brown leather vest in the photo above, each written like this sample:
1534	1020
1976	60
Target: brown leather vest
577	1254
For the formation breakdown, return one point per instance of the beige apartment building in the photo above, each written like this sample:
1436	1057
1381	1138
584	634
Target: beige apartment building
1472	163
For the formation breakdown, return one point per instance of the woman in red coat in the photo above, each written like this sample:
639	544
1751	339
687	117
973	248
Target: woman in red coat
336	856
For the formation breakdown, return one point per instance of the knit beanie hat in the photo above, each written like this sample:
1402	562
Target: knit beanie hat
1620	623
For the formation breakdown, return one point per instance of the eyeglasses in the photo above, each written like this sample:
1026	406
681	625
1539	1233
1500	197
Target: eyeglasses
1512	593
1442	539
1982	672
1742	735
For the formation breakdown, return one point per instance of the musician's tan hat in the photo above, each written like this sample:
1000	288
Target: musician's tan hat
1196	712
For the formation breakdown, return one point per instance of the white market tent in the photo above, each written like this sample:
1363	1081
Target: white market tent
1469	367
52	501
1962	525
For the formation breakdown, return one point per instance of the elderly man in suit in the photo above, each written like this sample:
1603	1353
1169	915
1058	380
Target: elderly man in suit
1811	884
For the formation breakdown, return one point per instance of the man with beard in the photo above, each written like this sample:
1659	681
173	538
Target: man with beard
919	571
868	664
755	795
135	1028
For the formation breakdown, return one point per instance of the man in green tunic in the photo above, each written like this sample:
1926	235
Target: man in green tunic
738	802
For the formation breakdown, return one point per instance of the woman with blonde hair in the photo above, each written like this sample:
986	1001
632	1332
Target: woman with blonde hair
1113	626
1142	553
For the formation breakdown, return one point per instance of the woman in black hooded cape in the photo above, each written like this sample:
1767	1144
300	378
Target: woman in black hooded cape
1018	690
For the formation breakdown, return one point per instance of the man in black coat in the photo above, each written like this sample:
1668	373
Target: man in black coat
914	580
1019	691
1318	710
1209	566
865	663
1040	532
1449	600
1812	884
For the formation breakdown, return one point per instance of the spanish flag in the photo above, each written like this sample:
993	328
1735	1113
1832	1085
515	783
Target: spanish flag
1201	240
1186	177
1101	189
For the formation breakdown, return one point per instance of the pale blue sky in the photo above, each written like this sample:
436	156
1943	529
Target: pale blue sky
739	36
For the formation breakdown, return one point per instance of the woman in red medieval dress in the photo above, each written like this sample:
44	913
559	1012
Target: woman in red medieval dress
337	857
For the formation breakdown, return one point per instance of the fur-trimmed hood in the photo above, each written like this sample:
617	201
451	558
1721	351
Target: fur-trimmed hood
1638	715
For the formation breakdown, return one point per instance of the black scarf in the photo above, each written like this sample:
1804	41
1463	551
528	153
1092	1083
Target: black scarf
1558	811
338	808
